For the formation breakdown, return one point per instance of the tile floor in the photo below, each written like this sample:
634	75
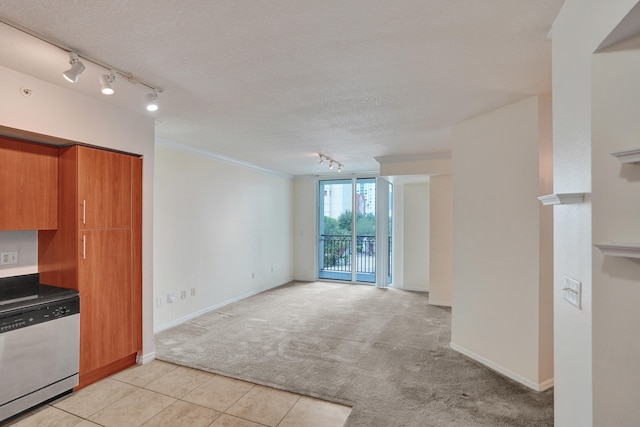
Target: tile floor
163	394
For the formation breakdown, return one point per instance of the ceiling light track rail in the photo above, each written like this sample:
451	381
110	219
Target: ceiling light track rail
332	162
131	78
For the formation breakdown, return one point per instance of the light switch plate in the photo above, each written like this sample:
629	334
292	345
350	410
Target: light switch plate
572	291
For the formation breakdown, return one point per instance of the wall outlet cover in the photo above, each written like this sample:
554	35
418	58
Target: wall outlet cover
572	291
8	258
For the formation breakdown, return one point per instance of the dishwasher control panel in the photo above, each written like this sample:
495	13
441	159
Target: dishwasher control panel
39	314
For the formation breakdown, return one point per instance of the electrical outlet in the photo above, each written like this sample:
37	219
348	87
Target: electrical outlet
171	297
572	291
193	292
7	258
159	302
183	295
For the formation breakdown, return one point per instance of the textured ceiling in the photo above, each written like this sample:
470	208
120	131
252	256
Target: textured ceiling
272	83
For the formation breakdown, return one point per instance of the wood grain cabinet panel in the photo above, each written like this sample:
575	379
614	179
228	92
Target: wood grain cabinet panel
28	186
106	297
104	189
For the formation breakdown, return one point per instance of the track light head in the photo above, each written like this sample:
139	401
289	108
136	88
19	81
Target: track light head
152	102
325	158
76	69
106	80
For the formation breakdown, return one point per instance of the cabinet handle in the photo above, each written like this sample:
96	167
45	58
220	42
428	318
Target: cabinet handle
84	247
84	211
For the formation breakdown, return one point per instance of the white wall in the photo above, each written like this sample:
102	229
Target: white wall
220	228
428	164
62	113
397	237
496	242
415	212
545	249
579	29
440	236
616	215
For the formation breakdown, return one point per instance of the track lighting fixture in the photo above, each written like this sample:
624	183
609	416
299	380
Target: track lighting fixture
76	69
106	80
152	103
331	161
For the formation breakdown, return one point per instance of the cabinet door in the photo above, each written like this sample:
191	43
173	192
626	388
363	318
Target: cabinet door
104	189
28	186
106	295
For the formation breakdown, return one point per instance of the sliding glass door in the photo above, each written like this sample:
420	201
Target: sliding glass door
335	248
348	243
365	230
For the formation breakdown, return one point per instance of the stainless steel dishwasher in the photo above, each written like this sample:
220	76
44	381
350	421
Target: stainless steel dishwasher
39	348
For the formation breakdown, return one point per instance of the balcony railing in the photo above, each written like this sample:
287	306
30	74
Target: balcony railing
337	253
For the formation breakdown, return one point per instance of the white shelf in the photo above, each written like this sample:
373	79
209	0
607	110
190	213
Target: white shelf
619	249
562	198
628	156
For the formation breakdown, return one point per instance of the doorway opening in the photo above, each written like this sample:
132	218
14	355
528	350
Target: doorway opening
354	232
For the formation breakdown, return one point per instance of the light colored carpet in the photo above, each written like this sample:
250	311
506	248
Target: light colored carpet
383	351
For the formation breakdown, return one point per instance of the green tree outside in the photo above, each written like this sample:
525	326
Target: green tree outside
365	224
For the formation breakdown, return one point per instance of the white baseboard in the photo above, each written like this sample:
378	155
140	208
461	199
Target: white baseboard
546	385
440	303
413	289
193	315
146	358
504	371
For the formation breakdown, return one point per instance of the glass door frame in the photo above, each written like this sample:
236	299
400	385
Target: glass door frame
338	245
384	208
382	212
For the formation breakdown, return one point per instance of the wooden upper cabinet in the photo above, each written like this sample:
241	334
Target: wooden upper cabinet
28	186
104	189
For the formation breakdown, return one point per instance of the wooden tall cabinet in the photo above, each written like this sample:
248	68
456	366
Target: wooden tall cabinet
97	250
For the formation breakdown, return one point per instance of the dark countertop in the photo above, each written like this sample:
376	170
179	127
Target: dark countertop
19	293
